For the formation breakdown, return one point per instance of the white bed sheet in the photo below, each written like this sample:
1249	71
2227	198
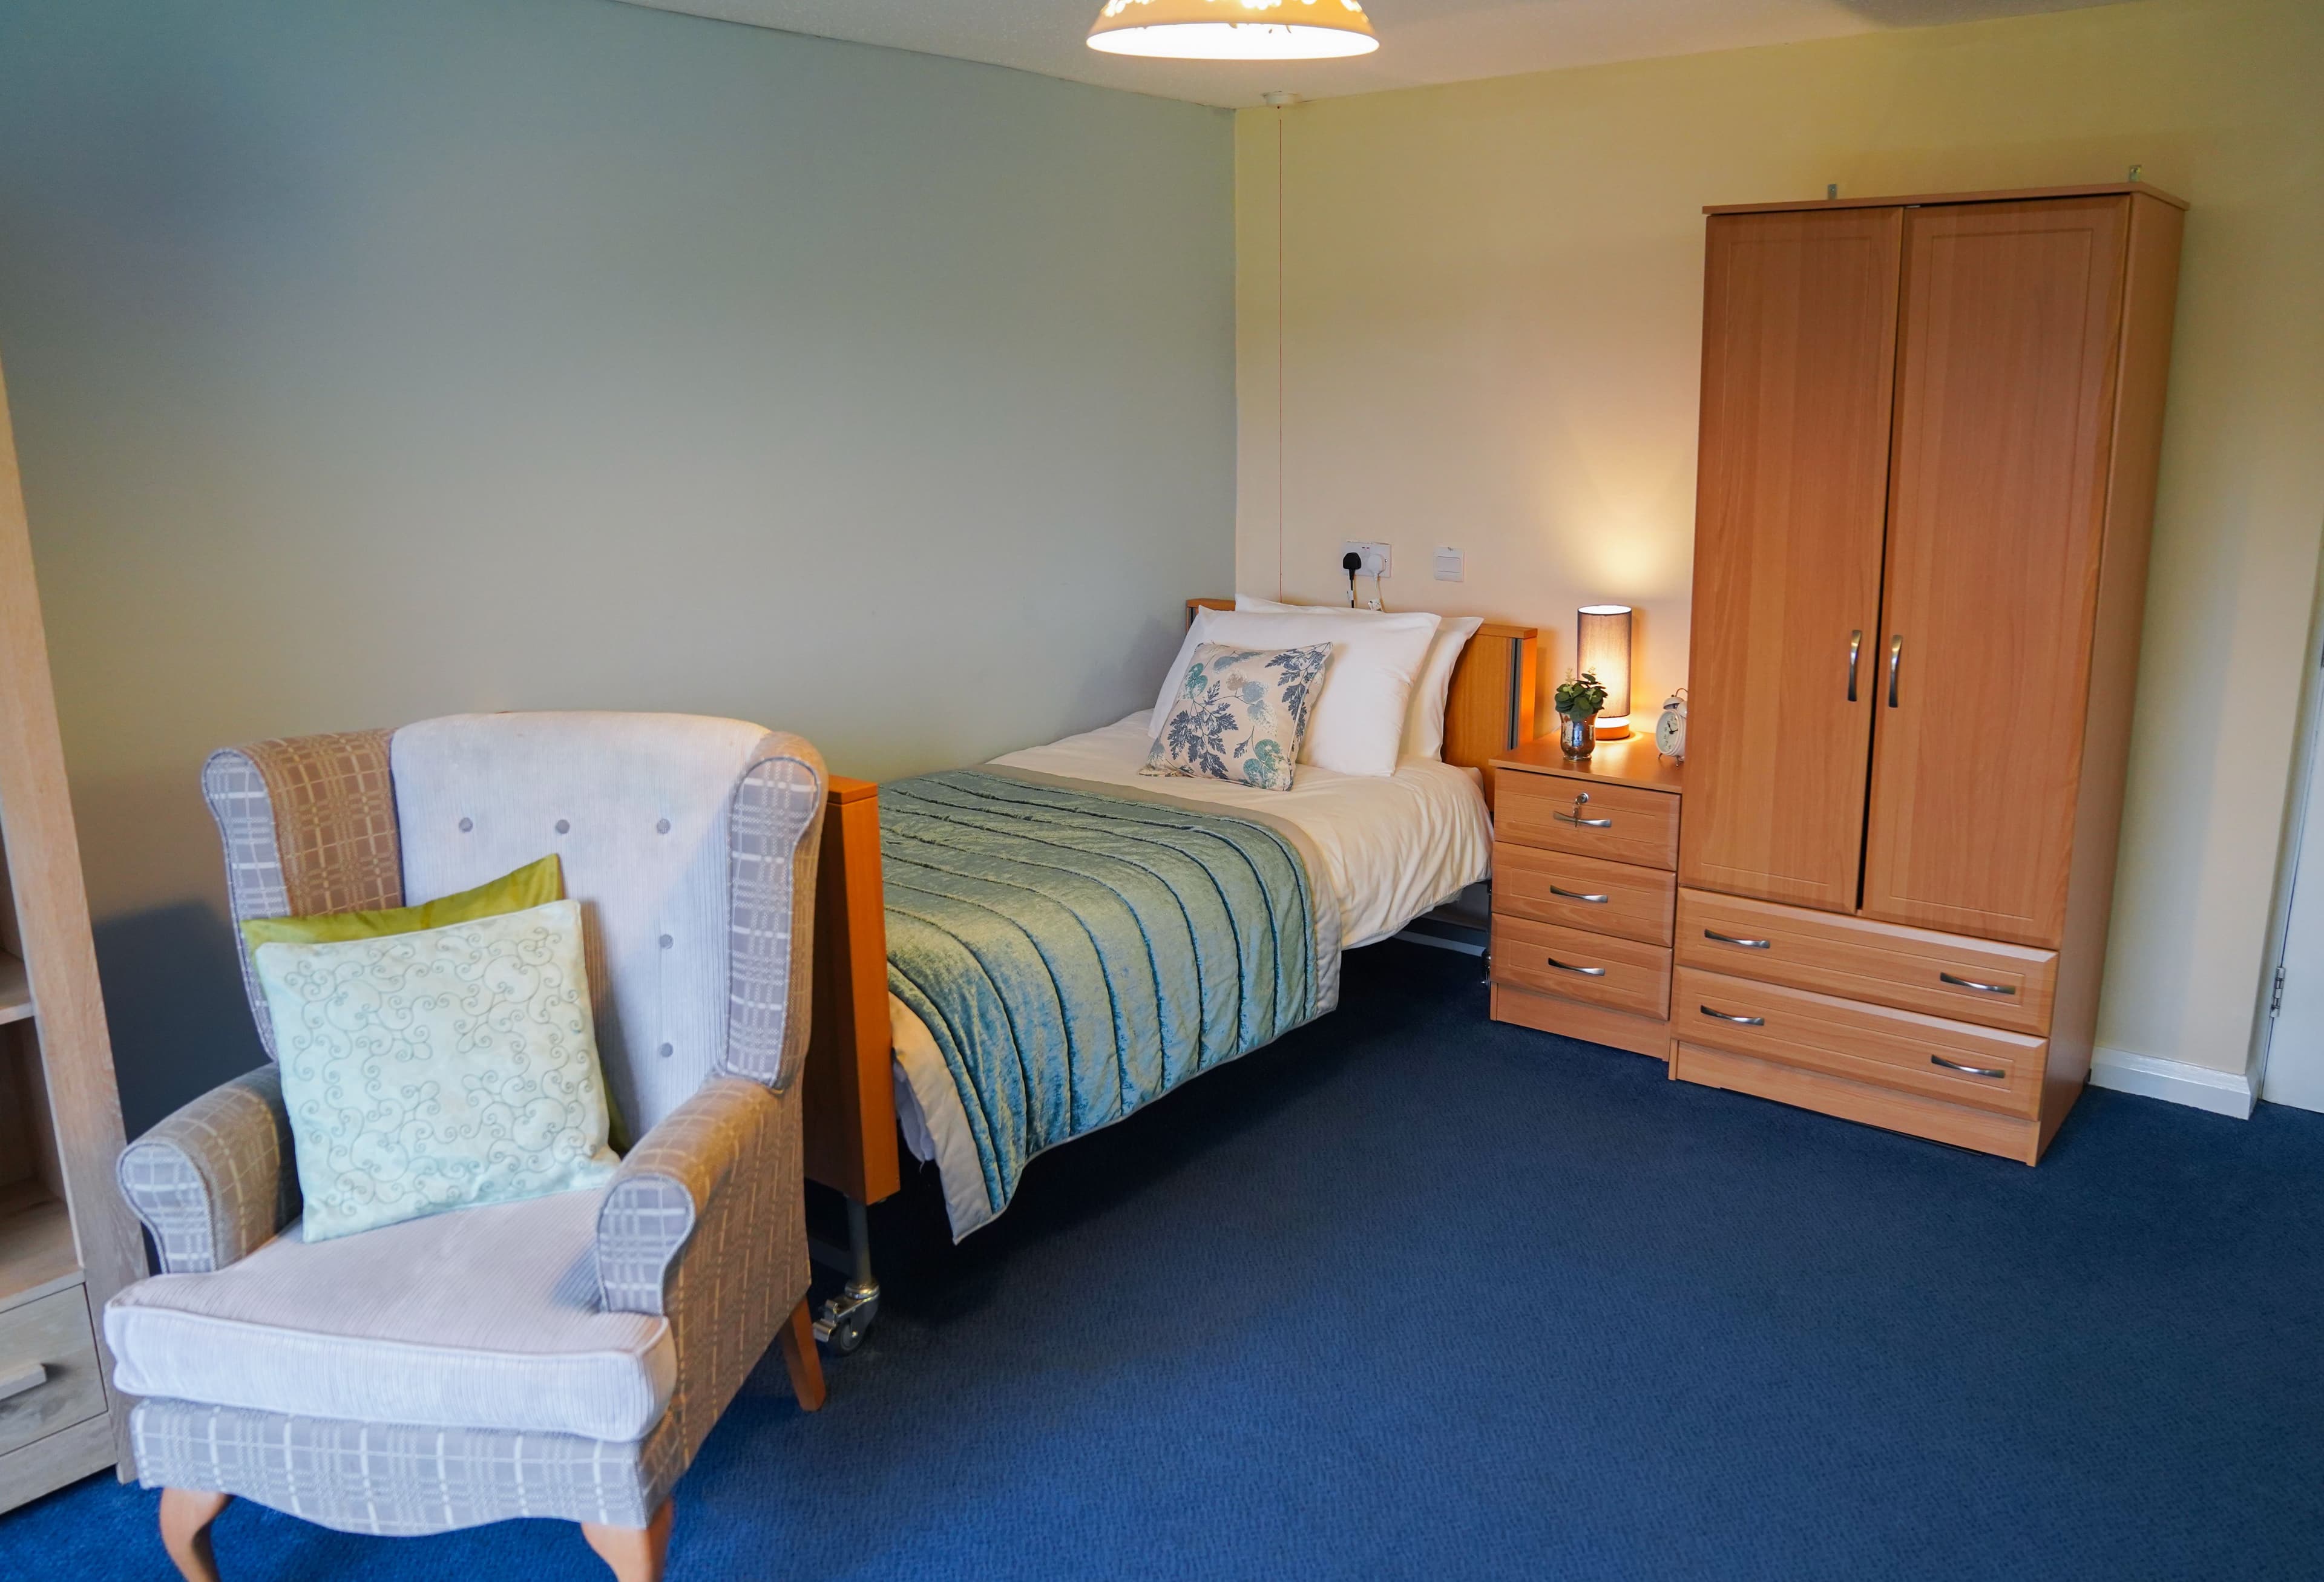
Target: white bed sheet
1392	847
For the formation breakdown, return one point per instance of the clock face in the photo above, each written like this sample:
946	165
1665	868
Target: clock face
1670	733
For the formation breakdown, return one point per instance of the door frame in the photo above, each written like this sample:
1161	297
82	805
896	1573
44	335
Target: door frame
2308	737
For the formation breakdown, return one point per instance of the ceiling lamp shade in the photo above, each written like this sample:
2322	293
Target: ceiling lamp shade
1234	29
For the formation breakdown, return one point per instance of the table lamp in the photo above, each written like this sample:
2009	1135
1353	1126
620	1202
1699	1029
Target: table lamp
1602	636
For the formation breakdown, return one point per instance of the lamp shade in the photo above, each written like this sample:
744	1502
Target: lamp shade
1602	637
1234	29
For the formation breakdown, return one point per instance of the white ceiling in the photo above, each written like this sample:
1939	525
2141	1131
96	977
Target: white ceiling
1421	40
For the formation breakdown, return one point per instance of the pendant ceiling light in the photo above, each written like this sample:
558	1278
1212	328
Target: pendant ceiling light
1234	29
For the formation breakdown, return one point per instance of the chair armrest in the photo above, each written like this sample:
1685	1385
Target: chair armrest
705	1225
705	1177
217	1178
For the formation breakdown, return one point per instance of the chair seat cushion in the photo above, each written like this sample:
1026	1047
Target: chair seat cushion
484	1318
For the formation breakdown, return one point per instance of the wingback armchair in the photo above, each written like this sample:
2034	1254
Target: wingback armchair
562	1357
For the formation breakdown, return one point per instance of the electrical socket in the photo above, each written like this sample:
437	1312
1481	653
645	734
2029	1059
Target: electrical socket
1376	557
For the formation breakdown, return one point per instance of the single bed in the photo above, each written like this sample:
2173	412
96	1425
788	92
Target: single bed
1004	979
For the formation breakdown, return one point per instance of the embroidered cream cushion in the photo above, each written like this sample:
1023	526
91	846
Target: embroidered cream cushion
439	1068
1357	721
1239	715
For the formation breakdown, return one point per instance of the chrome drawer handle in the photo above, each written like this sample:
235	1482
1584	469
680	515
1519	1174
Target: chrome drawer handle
1855	651
1729	939
1585	971
1577	896
1739	1021
1895	658
1576	818
1954	1065
1973	983
16	1381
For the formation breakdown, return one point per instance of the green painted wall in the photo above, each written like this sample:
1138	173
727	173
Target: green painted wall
377	360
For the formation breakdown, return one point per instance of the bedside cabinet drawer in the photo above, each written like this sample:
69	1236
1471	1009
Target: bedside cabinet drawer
48	1368
1588	893
1595	969
1620	823
1928	1055
1855	958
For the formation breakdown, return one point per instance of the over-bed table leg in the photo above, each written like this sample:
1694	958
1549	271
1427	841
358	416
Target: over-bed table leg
845	1318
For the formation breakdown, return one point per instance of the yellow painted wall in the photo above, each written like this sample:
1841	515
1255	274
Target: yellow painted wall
1473	319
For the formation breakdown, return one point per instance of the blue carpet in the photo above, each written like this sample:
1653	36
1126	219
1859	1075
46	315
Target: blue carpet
1410	1293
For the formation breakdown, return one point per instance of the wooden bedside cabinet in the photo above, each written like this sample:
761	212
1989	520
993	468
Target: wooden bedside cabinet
1585	889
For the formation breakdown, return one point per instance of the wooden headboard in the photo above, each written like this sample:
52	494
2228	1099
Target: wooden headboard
1489	709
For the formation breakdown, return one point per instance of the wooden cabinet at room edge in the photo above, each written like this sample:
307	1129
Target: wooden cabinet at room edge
1929	442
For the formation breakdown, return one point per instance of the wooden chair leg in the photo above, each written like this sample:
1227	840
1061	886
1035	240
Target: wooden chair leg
185	1517
801	1358
636	1554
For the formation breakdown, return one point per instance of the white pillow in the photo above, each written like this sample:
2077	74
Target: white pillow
1424	716
1358	722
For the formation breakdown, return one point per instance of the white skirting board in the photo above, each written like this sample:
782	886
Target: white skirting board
2221	1092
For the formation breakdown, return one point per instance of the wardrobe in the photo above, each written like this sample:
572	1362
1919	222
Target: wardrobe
1930	430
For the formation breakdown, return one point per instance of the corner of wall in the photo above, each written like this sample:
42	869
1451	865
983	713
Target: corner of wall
1259	352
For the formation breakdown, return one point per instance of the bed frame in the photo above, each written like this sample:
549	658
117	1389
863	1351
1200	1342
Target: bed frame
848	1101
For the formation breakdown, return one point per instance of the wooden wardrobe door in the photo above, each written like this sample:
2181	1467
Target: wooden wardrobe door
1798	370
2005	406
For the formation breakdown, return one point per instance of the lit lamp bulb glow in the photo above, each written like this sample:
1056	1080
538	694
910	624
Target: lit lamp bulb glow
1603	639
1234	30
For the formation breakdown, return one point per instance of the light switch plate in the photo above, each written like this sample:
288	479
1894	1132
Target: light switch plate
1448	564
1376	556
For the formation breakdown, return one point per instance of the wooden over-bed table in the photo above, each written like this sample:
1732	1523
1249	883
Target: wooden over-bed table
849	1097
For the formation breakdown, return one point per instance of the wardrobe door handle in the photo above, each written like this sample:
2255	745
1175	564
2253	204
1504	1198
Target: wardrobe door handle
1739	1021
1729	939
1584	972
1855	650
1896	654
1954	1065
1973	983
1577	896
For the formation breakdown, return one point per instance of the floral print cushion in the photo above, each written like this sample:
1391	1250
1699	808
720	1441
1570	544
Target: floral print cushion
1240	715
439	1068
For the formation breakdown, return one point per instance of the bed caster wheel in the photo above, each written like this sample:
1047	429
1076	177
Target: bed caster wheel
846	1318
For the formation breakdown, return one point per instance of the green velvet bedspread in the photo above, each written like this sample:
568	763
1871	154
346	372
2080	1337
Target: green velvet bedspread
1077	950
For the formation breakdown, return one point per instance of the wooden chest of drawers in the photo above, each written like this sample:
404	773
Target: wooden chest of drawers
1938	1034
1585	889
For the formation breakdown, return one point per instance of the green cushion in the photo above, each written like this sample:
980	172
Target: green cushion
439	1068
535	884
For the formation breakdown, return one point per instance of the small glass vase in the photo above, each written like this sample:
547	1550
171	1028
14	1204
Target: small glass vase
1577	735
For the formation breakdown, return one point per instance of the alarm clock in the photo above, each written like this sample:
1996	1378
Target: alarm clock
1670	731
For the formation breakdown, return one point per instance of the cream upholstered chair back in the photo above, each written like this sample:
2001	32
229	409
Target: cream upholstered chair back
675	832
680	836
